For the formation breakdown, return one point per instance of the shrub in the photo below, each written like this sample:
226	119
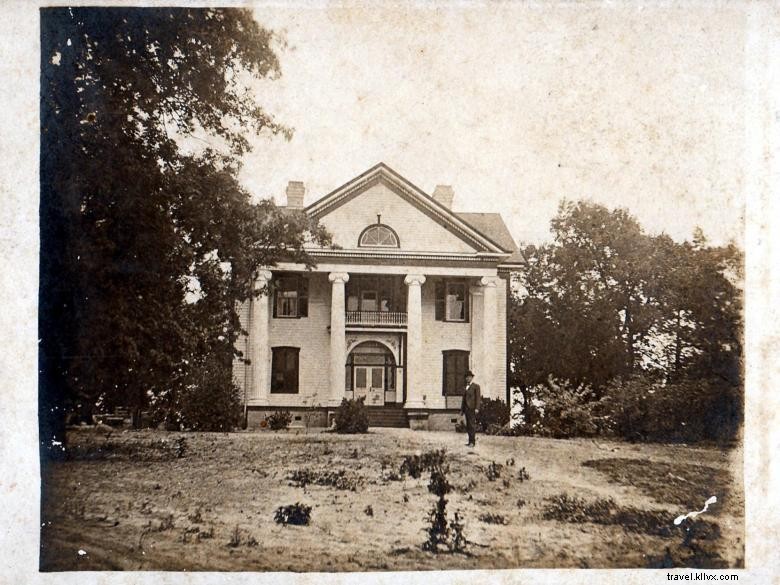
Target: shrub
566	411
238	538
336	479
352	416
438	530
685	411
494	471
279	420
415	465
493	415
297	514
207	400
458	540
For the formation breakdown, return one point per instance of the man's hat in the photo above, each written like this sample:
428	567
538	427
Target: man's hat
469	373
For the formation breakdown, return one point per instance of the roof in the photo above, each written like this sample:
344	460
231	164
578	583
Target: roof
411	193
492	225
489	229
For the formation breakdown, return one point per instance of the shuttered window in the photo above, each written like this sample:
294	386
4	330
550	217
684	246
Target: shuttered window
284	370
452	301
291	296
456	364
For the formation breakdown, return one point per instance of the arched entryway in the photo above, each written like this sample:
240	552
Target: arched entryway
372	373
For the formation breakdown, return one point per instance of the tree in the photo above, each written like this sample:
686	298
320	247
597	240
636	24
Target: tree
607	301
146	243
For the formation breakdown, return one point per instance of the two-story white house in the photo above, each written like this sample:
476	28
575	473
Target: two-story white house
413	297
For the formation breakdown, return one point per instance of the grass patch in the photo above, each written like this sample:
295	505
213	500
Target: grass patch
95	446
491	518
683	484
337	479
565	508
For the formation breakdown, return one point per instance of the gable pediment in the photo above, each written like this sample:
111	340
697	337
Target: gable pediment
380	196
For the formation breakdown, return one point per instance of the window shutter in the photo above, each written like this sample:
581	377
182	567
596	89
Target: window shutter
303	296
274	290
444	374
292	373
466	295
441	291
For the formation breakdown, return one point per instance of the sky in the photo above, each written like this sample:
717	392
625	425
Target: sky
517	106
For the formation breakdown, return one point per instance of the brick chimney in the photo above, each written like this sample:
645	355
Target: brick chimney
444	195
295	192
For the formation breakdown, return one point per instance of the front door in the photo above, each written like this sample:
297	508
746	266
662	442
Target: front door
370	383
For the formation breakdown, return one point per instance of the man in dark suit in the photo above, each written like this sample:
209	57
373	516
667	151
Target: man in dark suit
469	407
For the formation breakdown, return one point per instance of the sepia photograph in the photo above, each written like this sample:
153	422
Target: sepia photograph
342	288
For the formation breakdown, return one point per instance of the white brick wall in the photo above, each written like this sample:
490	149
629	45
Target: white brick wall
241	371
312	335
438	336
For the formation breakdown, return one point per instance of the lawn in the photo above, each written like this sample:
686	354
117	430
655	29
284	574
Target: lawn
150	500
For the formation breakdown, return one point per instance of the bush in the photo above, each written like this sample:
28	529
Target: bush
279	420
438	531
414	465
493	415
352	416
566	411
297	514
207	400
685	411
494	471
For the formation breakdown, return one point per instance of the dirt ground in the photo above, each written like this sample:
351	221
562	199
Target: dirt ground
150	500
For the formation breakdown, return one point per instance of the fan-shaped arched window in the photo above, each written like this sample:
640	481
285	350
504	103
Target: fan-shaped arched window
379	236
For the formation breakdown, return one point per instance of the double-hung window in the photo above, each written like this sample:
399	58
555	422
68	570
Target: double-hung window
455	366
284	370
452	301
291	296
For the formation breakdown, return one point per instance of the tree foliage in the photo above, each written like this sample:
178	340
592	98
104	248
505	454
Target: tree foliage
147	241
606	301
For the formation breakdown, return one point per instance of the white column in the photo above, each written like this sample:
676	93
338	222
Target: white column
338	344
477	333
261	358
414	364
489	379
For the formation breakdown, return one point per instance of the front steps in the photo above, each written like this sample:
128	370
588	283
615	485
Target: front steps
388	416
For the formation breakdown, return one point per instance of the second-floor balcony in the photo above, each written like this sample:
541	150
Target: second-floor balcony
376	318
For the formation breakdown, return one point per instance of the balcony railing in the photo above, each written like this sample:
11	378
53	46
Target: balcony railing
376	318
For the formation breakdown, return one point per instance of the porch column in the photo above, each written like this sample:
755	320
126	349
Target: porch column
490	326
338	344
261	360
414	364
478	333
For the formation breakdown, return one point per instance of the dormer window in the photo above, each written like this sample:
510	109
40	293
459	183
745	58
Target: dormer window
378	236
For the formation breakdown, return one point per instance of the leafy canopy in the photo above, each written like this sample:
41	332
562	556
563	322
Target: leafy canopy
147	239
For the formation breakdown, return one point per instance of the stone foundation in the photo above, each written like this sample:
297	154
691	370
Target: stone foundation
301	417
308	417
